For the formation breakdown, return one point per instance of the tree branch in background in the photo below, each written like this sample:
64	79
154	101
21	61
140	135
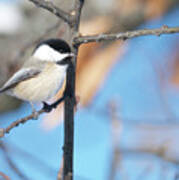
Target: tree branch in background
126	35
16	151
116	131
4	176
11	162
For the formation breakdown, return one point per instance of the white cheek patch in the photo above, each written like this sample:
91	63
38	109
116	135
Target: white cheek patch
46	53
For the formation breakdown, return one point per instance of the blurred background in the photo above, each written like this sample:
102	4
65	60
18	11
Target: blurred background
127	119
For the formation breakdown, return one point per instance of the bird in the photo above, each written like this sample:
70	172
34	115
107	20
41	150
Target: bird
42	75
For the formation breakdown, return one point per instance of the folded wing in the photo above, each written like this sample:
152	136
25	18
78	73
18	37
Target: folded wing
19	76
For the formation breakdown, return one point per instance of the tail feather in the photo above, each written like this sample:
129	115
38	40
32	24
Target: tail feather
2	90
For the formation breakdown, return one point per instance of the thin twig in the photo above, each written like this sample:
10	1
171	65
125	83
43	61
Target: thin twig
21	121
49	6
17	151
35	115
126	35
75	15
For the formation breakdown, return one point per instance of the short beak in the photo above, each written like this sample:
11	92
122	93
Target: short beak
72	55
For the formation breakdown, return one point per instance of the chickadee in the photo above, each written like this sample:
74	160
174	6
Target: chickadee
43	74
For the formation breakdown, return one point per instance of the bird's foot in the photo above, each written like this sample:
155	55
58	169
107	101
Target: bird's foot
47	107
35	114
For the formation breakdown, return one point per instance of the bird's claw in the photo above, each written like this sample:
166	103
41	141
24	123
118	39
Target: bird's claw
47	107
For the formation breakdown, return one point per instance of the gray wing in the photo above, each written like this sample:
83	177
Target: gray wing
19	76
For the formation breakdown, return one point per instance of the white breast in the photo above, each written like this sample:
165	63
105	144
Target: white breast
43	86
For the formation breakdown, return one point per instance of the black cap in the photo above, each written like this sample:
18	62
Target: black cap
57	44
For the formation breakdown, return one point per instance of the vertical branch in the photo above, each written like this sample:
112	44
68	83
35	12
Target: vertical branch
70	100
69	124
